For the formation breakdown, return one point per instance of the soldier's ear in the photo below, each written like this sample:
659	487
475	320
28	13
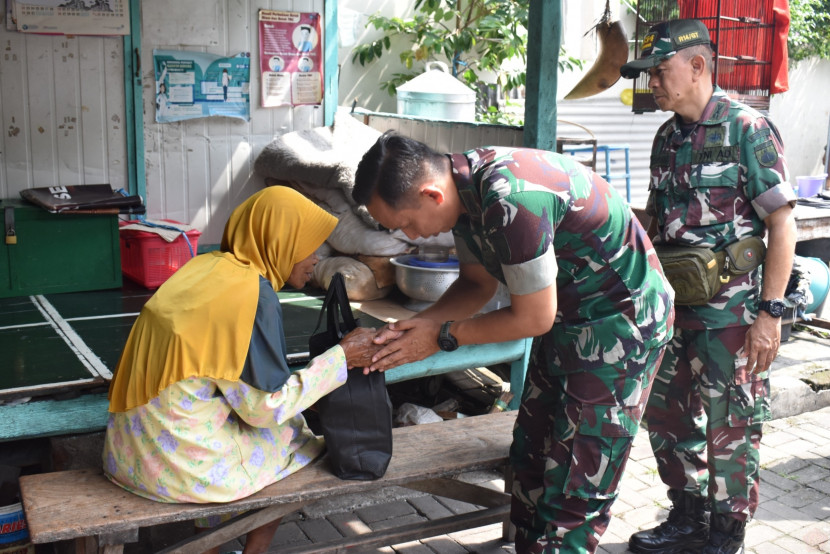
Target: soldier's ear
698	65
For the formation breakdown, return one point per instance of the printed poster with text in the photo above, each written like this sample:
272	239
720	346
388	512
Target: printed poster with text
198	84
290	58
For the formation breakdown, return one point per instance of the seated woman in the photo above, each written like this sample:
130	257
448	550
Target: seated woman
203	405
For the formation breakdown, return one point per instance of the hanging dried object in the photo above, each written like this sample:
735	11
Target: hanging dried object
613	54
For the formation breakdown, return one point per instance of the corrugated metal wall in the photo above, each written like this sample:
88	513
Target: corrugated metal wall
62	107
613	123
610	121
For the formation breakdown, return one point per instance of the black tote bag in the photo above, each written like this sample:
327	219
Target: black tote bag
356	418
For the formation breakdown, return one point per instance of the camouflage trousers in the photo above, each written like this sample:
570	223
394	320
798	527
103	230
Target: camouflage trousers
704	419
570	445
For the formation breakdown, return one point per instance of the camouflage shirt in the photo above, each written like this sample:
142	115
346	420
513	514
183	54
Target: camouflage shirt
714	185
536	218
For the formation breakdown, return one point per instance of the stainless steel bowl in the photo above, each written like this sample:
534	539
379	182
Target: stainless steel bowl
422	283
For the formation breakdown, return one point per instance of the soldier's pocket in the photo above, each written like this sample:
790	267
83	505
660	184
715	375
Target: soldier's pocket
601	445
748	397
714	195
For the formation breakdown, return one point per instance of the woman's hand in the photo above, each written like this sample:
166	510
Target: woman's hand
360	347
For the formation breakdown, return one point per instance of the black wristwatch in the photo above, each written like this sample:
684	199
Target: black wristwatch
446	341
774	307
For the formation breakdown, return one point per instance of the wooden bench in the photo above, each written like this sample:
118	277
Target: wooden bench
82	505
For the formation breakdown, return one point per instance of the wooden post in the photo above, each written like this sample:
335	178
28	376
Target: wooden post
543	42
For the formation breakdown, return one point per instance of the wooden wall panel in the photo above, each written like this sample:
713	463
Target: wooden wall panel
62	104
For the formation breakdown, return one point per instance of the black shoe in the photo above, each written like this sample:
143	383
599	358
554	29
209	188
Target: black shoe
687	528
726	535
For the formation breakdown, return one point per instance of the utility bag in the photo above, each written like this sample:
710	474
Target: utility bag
356	418
697	273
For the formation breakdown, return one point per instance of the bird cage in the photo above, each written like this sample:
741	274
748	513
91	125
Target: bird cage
743	32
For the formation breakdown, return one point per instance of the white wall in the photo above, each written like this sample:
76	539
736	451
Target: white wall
802	114
199	170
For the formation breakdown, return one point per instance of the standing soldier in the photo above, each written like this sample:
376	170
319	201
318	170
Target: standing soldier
718	181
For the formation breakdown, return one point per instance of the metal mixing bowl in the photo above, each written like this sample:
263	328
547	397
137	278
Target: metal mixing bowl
422	283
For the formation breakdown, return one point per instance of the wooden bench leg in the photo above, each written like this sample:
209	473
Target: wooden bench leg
508	530
94	545
229	530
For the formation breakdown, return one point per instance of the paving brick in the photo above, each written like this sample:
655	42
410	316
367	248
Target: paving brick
810	473
380	512
456	506
779	481
812	432
348	524
769	491
444	545
778	438
479	535
429	507
319	529
397	522
760	534
770	454
643	518
818	511
782	517
770	548
801	497
789	465
823	486
814	535
793	545
414	547
289	534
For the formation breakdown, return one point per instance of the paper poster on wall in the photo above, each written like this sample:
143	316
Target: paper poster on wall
69	17
290	58
198	84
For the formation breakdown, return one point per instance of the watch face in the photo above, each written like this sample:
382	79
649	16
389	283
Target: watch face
446	341
775	308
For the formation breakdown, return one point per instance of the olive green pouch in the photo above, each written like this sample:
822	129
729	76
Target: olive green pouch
692	271
697	273
743	256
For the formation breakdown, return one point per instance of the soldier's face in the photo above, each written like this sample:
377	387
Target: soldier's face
417	219
670	83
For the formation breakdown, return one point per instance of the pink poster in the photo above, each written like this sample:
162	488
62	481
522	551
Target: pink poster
290	58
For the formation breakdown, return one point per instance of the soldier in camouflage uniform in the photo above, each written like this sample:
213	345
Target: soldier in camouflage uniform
583	278
718	175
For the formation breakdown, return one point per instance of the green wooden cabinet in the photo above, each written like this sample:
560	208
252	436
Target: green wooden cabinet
53	253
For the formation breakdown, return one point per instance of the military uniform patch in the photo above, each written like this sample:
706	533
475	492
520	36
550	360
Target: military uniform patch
766	154
713	136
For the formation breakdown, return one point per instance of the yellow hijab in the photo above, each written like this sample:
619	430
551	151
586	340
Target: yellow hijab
199	321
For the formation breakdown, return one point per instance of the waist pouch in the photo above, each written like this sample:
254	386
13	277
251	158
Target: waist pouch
697	273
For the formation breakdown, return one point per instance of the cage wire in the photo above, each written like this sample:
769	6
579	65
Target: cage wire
743	32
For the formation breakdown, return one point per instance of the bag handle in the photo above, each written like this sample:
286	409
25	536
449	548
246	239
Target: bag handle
336	304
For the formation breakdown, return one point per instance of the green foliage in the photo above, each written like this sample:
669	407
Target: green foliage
471	36
809	29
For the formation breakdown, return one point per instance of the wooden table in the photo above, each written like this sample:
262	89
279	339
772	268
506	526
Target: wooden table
812	222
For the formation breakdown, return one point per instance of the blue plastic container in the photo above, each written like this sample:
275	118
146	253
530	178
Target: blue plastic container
819	281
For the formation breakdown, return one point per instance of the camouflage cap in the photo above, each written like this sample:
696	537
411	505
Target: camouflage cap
663	41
